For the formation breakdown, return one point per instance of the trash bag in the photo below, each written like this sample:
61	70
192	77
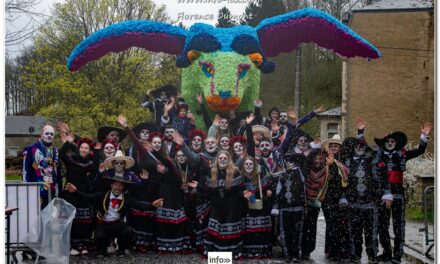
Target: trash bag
49	235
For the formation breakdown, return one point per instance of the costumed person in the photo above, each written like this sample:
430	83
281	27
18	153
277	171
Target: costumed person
196	138
114	133
316	188
211	149
78	161
142	131
257	238
225	190
224	142
172	227
393	156
184	122
258	133
40	164
169	147
334	205
162	97
102	151
219	127
113	206
290	203
242	147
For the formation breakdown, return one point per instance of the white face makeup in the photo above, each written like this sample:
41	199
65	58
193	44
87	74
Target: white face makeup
248	166
283	117
169	133
109	150
222	161
114	135
143	134
303	143
84	150
265	147
224	124
48	134
334	148
119	165
157	143
210	145
196	143
224	143
390	144
238	148
180	157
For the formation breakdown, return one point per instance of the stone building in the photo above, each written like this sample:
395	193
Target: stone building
395	92
329	123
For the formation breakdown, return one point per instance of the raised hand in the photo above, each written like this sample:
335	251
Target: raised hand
319	109
70	188
216	120
144	175
193	184
247	194
147	146
178	138
63	127
199	98
330	158
98	145
70	137
63	137
250	118
122	121
169	106
190	116
158	202
291	113
360	123
258	103
426	128
101	167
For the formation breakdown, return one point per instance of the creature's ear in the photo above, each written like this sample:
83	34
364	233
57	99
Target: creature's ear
151	35
285	32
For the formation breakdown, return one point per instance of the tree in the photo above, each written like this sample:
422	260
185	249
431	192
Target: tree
224	19
95	95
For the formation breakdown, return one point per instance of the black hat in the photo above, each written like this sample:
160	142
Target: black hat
400	137
105	130
170	90
300	133
145	125
128	177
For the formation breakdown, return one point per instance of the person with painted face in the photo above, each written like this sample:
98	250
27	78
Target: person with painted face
196	138
102	151
224	142
224	187
392	155
78	161
211	149
172	227
40	164
240	145
114	133
316	188
290	201
219	127
162	98
113	205
184	122
142	131
334	205
257	240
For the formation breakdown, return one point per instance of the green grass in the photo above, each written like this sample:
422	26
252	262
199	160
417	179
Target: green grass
417	214
13	178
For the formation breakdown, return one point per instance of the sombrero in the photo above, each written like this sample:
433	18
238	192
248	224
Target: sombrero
262	129
335	139
129	162
105	130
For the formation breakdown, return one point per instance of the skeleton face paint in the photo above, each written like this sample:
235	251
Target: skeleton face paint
119	165
390	144
196	143
109	150
238	148
210	145
180	157
114	135
334	148
283	117
224	143
248	166
157	143
265	147
48	134
84	150
224	124
222	161
303	143
169	134
143	134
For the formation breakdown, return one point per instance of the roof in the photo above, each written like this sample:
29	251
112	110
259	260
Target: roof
24	125
332	112
398	4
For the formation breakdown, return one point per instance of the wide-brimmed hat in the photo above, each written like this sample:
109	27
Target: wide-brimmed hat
335	139
129	162
105	130
128	177
170	90
261	129
400	137
145	125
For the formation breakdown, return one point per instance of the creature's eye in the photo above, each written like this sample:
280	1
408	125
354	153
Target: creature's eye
242	69
207	68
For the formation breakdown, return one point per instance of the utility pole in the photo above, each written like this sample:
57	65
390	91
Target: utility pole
298	79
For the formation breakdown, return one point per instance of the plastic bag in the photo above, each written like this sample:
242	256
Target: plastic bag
50	233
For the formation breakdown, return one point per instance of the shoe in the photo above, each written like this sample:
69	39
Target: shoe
384	257
74	252
84	251
397	260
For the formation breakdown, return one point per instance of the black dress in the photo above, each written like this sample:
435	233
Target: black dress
78	172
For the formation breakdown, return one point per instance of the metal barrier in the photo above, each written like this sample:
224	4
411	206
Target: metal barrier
26	197
425	208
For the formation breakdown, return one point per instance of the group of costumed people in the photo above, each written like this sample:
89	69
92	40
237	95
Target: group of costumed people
246	185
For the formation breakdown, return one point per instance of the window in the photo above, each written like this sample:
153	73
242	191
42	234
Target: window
13	151
332	129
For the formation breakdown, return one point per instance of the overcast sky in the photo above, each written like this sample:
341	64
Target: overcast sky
186	11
